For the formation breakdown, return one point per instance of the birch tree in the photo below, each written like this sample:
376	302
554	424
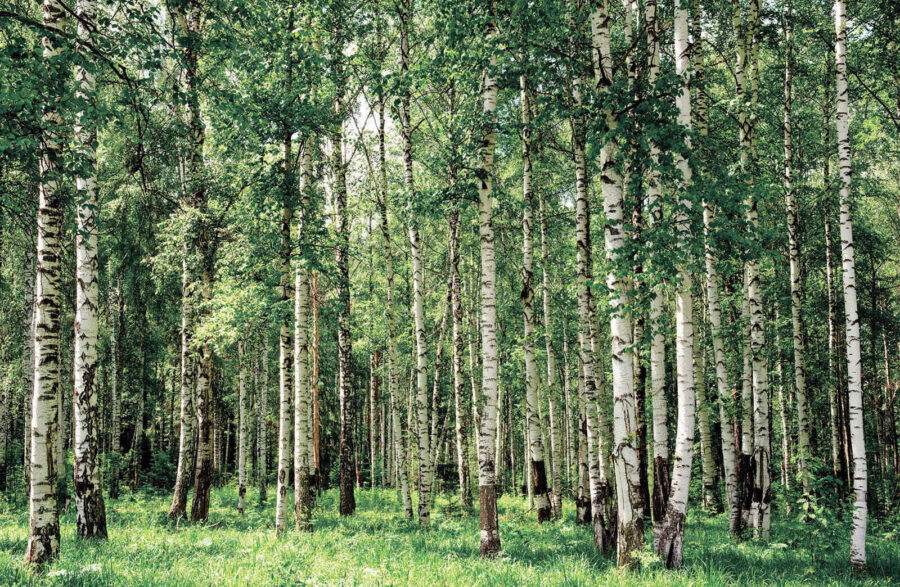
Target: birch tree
848	264
487	490
43	536
242	428
793	229
90	511
625	457
670	545
532	379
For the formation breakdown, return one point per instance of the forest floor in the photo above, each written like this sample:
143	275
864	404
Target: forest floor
378	546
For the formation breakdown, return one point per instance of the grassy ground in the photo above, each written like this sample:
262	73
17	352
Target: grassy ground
378	547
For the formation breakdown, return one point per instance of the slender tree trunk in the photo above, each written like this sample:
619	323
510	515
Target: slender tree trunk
848	263
90	511
487	490
418	309
710	491
793	225
374	384
661	479
630	529
187	434
262	414
535	445
394	388
28	356
43	536
342	261
462	413
671	540
302	380
205	430
552	380
834	402
242	427
314	433
286	414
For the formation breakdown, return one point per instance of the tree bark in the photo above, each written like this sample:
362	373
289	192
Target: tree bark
552	380
43	536
302	379
487	490
394	388
793	226
670	546
535	446
242	427
848	263
90	511
342	261
459	401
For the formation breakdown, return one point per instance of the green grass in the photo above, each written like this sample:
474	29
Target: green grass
379	547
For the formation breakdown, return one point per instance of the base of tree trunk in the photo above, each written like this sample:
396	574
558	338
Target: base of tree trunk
490	533
90	515
582	510
43	545
630	541
604	520
202	486
670	542
541	491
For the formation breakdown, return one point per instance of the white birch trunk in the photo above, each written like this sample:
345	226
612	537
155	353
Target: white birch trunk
487	491
285	350
630	530
670	546
302	378
90	512
848	264
43	536
535	446
793	225
556	447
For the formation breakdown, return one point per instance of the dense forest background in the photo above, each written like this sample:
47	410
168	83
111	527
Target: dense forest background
632	262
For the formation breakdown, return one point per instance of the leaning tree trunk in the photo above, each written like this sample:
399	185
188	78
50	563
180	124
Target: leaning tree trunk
848	263
532	379
670	546
43	536
90	512
487	489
